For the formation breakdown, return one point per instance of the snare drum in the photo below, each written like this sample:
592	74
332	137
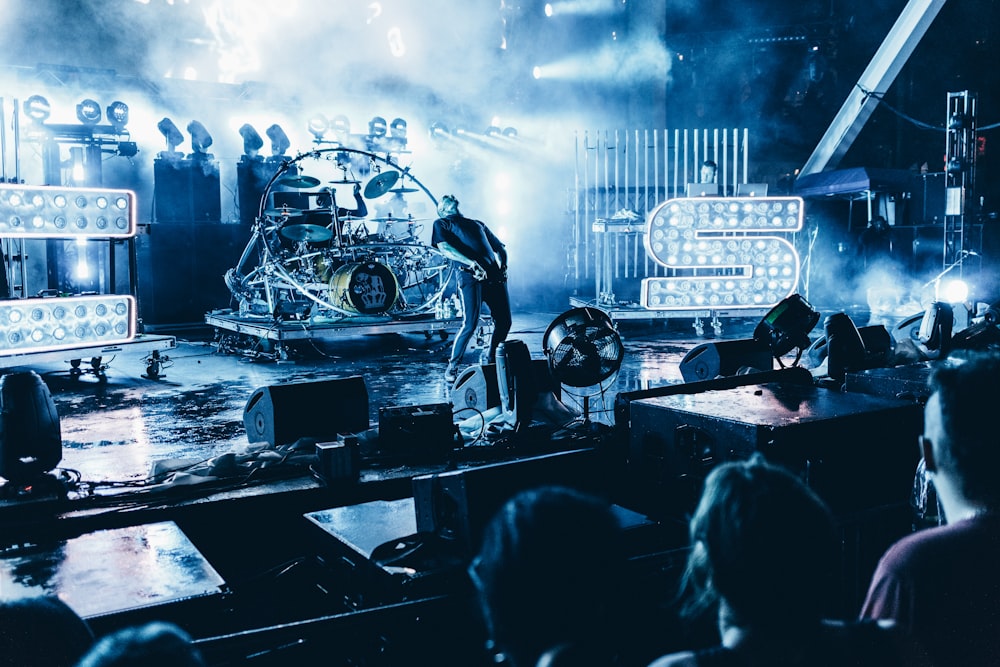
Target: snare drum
368	288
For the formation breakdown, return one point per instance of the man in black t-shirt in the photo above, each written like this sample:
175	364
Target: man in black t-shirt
482	263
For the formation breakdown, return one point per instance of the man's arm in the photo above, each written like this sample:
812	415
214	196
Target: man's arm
449	251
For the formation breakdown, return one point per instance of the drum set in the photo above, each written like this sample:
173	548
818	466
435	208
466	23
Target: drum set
319	260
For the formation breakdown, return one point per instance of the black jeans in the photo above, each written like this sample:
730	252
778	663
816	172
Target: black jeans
474	295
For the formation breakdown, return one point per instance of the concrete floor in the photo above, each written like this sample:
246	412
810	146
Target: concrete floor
114	430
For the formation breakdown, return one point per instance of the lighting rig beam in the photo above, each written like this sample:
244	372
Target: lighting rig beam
64	323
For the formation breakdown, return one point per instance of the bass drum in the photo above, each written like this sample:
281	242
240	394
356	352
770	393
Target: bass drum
368	288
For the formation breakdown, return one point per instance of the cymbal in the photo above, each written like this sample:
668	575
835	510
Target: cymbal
392	219
345	181
299	181
403	190
283	212
308	233
381	184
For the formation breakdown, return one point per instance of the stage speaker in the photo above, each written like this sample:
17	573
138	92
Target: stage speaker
710	360
515	380
187	189
417	432
30	438
476	389
281	414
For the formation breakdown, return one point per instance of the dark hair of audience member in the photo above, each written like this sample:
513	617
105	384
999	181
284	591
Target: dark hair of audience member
765	543
41	632
967	393
548	573
155	644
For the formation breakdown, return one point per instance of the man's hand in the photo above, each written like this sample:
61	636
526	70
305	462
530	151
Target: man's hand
478	272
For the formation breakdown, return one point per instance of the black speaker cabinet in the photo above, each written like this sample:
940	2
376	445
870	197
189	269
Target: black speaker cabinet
281	414
710	360
186	189
181	268
416	432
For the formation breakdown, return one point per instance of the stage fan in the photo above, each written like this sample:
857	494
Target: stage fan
583	350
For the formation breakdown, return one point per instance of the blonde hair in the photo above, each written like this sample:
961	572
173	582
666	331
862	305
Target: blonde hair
448	205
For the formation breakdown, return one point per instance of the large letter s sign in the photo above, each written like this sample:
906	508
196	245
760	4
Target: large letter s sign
722	252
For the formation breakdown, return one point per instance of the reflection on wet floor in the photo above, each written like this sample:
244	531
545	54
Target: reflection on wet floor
114	430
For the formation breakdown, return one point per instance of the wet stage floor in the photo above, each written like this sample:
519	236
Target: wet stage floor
114	430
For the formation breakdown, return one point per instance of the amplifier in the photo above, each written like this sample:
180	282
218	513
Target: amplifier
416	432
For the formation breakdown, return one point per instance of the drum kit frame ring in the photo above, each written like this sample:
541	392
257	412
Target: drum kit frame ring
276	281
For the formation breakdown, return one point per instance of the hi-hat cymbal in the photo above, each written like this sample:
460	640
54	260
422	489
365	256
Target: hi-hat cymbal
308	233
299	181
345	181
381	184
403	190
392	219
283	212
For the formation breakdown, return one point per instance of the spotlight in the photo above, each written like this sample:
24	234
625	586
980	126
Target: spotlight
787	325
118	115
398	128
955	166
88	112
341	126
957	121
376	127
492	131
956	291
201	140
536	72
438	130
37	108
252	142
510	132
170	133
318	125
279	140
31	441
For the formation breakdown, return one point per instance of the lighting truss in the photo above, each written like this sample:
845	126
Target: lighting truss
58	212
722	252
63	323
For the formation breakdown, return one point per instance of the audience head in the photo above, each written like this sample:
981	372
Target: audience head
41	632
764	543
958	428
154	644
547	572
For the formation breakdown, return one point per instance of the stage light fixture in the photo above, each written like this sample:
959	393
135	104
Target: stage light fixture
57	212
341	126
318	125
510	132
88	112
30	437
377	127
252	143
37	108
955	291
957	121
201	140
398	129
492	131
118	115
279	140
170	133
787	325
955	165
49	324
438	130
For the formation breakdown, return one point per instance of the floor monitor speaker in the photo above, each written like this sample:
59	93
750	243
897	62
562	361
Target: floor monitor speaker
282	413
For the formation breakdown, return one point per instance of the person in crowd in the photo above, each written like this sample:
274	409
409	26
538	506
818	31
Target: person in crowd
482	261
155	644
708	171
549	574
41	631
764	559
942	582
